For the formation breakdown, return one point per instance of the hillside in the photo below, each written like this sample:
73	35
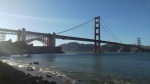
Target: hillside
74	46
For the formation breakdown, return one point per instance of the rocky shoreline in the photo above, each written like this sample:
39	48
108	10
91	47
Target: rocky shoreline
10	75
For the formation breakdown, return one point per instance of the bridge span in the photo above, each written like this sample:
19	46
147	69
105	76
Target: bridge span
92	40
50	39
43	37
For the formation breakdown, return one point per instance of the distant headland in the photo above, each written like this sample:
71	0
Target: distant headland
9	48
74	46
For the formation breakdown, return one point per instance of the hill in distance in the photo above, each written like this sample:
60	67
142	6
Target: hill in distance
74	46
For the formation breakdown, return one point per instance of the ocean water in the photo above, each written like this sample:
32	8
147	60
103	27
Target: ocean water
90	68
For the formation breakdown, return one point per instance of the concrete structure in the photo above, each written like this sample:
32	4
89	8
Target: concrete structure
18	35
23	35
54	39
28	37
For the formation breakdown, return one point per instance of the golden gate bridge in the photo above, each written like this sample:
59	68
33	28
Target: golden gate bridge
50	39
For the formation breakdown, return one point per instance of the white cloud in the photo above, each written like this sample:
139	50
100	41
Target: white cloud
33	17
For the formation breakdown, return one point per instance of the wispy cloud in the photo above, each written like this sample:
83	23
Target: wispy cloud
32	17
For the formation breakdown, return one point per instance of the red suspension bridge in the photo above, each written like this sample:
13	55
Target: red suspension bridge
50	39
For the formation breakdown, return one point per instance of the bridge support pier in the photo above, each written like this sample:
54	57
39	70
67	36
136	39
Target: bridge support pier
54	39
21	36
97	34
51	39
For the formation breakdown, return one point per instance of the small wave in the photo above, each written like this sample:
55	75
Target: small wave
21	66
55	73
11	62
52	66
7	59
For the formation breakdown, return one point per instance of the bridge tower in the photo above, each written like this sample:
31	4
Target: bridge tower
139	41
21	35
51	39
97	34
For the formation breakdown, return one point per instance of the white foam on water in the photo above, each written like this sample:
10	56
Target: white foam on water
10	61
43	71
21	66
34	67
56	73
52	66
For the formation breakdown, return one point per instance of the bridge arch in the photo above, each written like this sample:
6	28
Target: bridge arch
43	41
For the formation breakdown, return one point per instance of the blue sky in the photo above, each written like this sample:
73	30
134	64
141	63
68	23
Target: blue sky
128	19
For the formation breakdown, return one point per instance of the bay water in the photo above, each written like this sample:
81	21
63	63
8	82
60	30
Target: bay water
90	68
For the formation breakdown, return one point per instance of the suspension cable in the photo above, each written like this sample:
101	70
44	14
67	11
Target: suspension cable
111	32
77	26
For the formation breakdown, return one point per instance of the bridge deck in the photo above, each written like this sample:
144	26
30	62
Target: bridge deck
15	32
91	40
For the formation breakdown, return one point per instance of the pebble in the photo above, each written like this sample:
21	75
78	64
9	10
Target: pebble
30	69
49	76
35	62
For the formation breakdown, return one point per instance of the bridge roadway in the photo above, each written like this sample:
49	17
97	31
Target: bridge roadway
92	40
15	32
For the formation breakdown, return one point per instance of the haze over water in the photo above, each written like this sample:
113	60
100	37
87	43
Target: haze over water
89	68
